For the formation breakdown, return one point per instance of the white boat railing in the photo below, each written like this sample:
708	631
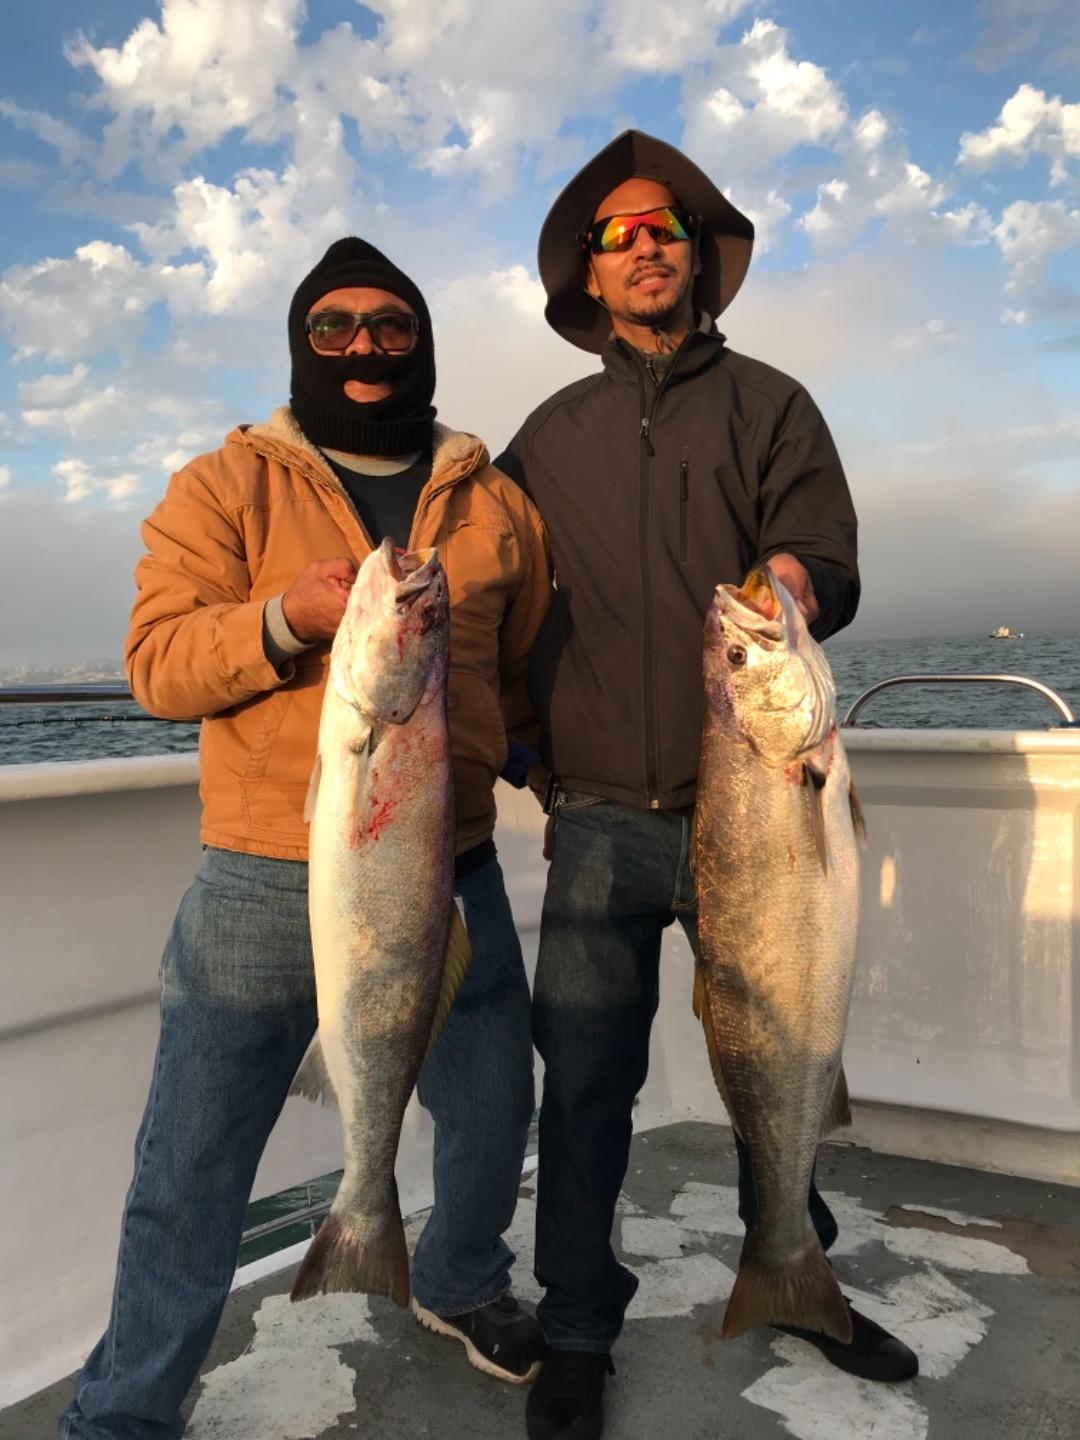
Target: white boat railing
963	1042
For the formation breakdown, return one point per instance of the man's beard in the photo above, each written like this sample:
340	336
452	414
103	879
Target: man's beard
656	317
655	312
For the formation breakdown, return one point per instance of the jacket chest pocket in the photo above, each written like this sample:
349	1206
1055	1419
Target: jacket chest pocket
482	564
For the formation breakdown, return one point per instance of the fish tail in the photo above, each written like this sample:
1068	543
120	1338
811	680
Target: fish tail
370	1257
804	1293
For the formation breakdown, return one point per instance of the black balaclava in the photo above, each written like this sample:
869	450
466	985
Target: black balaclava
400	423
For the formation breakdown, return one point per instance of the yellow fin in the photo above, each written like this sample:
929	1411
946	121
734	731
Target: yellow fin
704	1014
458	960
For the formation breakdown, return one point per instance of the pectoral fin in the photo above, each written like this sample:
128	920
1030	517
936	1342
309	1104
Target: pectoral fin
458	959
814	783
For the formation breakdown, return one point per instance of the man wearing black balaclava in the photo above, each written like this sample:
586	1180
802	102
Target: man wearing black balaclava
250	557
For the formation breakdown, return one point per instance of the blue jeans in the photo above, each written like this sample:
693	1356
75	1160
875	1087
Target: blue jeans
618	877
237	1012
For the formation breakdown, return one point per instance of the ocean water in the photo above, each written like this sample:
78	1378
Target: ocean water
87	732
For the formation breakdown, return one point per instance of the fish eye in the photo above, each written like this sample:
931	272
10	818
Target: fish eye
736	655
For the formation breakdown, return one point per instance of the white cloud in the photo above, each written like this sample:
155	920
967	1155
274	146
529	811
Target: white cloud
250	237
511	303
81	480
5	476
67	309
768	213
52	389
879	180
1030	123
94	414
72	147
1014	317
754	103
205	70
688	31
1029	232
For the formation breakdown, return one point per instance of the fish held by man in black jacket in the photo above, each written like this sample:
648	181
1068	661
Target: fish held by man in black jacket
776	863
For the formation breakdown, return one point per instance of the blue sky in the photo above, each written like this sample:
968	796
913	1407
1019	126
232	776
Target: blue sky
169	171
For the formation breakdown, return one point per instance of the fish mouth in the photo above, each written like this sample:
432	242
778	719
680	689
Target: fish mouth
755	607
412	571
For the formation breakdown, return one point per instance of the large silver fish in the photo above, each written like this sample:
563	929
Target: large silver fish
381	901
776	863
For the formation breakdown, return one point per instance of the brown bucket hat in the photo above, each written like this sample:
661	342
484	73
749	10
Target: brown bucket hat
727	236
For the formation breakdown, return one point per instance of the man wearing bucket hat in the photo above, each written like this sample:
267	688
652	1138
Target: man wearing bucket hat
679	466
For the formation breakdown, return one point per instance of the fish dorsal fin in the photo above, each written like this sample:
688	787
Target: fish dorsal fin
312	1080
458	959
704	1014
814	784
838	1110
858	818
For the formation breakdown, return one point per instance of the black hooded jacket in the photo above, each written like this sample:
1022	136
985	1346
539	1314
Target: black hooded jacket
652	496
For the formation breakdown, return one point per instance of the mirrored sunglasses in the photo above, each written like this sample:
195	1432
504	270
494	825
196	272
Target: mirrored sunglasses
618	232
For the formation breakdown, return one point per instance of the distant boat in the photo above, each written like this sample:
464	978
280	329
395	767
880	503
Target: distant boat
1004	633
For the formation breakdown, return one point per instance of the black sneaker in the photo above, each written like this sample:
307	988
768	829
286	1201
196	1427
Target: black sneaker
500	1338
873	1353
567	1402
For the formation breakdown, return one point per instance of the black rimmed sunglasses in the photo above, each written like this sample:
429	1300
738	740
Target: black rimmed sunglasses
392	331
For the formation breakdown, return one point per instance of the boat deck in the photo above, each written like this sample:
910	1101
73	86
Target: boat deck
979	1272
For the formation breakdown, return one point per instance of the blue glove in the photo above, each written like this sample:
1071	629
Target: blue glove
519	761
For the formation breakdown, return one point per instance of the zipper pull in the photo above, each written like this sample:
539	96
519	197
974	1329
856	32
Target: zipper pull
645	428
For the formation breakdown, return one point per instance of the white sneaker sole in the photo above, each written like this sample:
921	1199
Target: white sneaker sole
433	1322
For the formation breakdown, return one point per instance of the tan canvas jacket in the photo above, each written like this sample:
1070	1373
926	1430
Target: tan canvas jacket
234	529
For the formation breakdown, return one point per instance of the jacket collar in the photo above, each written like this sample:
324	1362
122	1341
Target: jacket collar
701	348
456	453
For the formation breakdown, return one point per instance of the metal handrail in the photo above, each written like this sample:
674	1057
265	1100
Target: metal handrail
1050	696
90	692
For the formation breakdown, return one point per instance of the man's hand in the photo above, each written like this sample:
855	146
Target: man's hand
315	602
795	578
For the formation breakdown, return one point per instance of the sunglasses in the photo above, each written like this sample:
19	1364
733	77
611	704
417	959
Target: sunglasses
333	331
618	232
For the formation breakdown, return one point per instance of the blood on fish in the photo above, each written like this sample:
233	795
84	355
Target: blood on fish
379	815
